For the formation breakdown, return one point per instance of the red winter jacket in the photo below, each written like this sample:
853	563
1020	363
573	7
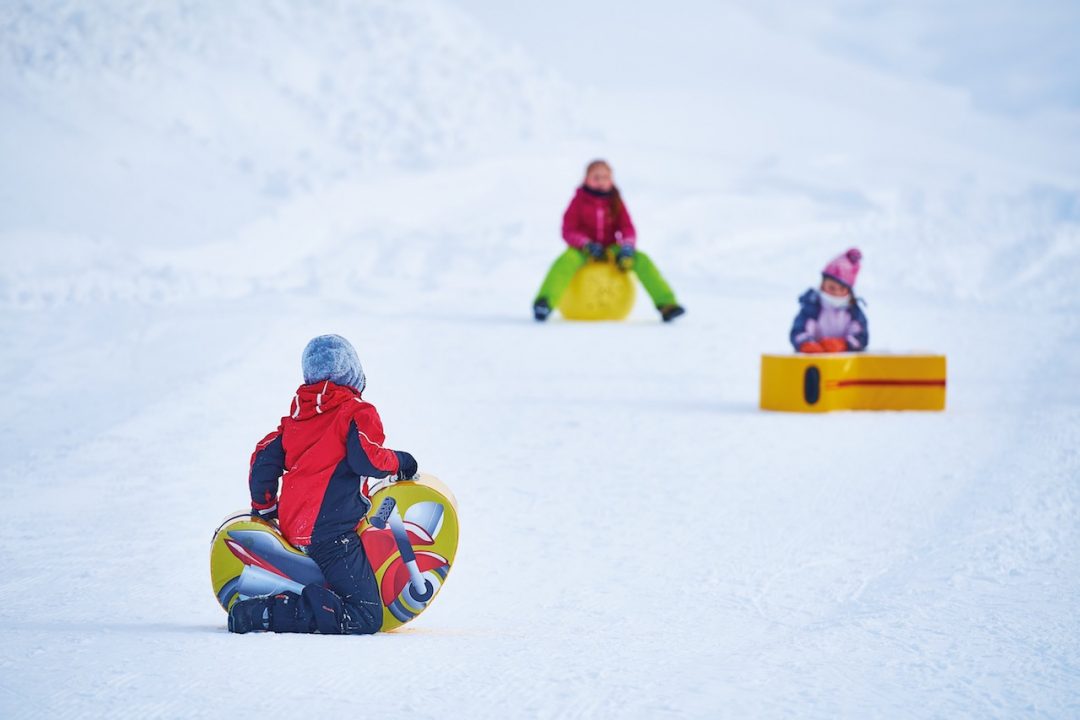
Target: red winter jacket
328	444
589	218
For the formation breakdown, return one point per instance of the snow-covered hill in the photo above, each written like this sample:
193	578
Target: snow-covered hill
190	191
162	152
172	125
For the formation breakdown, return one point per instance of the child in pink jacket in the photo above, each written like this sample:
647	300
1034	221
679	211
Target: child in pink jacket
830	319
597	226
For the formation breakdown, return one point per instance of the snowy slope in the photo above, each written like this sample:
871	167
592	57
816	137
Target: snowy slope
638	539
133	127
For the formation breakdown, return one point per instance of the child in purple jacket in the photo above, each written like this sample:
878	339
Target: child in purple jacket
830	319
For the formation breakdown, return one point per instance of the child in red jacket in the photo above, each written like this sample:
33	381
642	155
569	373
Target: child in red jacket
597	225
325	452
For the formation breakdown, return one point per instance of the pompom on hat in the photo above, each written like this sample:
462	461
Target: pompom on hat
844	268
333	358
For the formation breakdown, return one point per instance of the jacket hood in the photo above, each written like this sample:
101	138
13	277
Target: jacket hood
811	301
810	298
589	192
318	398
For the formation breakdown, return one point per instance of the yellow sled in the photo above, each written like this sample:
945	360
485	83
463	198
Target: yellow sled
411	553
599	291
852	381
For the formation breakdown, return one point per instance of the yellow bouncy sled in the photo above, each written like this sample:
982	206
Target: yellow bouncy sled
599	291
852	381
410	539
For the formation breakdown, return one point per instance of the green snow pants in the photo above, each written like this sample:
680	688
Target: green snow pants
563	269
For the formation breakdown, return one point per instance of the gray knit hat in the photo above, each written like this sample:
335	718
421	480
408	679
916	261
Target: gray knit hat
331	357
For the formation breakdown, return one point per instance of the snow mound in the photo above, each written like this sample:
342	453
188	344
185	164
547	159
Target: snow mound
176	123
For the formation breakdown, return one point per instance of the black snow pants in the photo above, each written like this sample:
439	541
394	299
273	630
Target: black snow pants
352	604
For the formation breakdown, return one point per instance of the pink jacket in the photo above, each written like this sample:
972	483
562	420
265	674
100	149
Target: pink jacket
589	218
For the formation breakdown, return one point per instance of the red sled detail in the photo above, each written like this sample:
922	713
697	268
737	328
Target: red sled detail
888	383
248	559
397	575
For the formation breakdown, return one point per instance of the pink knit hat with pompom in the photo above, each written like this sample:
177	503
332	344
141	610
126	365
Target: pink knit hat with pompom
844	268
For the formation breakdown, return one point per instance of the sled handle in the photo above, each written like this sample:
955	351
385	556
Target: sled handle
388	515
379	519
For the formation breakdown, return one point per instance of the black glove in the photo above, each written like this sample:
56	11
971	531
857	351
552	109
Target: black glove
406	465
595	249
267	514
625	257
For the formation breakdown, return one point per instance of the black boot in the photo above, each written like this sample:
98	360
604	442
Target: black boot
670	312
541	309
251	615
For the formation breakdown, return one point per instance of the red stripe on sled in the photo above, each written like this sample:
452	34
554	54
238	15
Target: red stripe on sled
251	559
890	383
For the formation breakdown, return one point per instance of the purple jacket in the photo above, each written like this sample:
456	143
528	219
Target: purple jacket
817	320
